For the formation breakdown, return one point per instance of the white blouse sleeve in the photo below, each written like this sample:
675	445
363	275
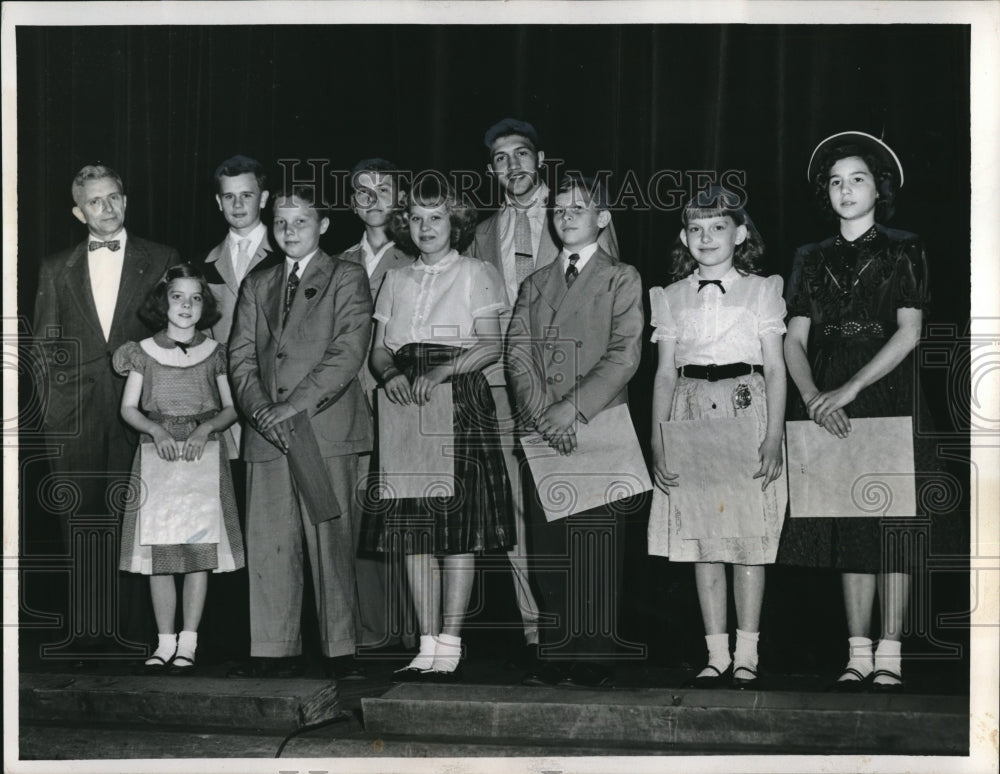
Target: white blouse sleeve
664	326
488	293
771	307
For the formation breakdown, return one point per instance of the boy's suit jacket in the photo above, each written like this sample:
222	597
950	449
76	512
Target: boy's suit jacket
394	258
83	390
581	343
221	279
311	362
486	244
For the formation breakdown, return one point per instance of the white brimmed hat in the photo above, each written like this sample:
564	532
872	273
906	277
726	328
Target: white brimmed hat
865	141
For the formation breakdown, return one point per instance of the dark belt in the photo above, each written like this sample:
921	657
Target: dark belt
714	373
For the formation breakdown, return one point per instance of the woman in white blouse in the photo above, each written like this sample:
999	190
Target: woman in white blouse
438	320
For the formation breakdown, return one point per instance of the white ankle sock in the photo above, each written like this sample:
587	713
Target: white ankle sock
746	652
187	644
425	658
165	649
718	654
888	657
860	649
448	653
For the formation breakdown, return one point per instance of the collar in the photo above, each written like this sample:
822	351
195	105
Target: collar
302	262
538	203
255	237
583	252
726	279
867	237
371	255
436	268
163	340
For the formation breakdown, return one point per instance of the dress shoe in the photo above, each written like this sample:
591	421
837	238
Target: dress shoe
745	679
543	673
524	660
156	666
896	687
181	666
718	680
261	667
857	683
587	675
344	668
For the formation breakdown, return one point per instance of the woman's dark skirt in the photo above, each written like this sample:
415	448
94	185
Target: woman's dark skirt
479	516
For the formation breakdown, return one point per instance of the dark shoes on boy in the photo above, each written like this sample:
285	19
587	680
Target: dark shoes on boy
344	668
263	667
578	674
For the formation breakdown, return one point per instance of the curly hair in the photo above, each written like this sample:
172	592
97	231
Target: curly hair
431	189
717	202
885	183
154	308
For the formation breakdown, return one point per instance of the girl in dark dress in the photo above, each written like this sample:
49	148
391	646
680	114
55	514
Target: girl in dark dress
855	316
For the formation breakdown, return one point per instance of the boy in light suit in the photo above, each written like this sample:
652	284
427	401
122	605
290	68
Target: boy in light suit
572	347
300	337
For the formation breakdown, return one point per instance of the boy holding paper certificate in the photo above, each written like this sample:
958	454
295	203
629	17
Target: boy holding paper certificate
572	347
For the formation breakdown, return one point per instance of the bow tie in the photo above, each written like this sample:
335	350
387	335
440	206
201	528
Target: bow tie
112	244
717	283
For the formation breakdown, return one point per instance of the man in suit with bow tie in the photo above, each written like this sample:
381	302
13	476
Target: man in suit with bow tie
300	336
573	345
518	239
86	307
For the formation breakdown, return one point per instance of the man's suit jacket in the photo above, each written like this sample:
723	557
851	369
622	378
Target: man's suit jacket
83	390
312	362
221	277
582	343
486	244
394	258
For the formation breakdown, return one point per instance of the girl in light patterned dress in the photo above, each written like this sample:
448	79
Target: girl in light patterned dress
179	378
719	331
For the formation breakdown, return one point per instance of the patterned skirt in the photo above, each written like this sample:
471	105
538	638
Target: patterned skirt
701	399
479	516
224	556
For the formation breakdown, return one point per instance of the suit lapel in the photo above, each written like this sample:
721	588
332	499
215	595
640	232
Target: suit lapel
275	299
548	251
264	251
134	266
393	259
75	282
314	281
586	287
223	266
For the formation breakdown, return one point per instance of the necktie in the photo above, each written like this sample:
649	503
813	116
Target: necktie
290	287
242	259
524	259
112	244
571	271
717	283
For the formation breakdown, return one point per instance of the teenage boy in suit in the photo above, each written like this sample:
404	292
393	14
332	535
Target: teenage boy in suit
573	345
86	307
379	191
300	336
517	239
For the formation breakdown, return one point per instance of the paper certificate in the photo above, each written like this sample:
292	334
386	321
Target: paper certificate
180	501
869	473
715	460
416	446
606	466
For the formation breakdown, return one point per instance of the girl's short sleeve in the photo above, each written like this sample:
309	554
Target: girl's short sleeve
771	307
487	292
220	363
799	299
912	286
383	302
664	325
129	357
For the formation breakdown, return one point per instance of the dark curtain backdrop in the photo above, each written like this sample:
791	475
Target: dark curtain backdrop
163	105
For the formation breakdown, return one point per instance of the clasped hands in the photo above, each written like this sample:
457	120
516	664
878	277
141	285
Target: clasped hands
399	390
556	424
268	420
827	409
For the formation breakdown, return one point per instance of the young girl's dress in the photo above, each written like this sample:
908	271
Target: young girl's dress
179	390
850	292
712	327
